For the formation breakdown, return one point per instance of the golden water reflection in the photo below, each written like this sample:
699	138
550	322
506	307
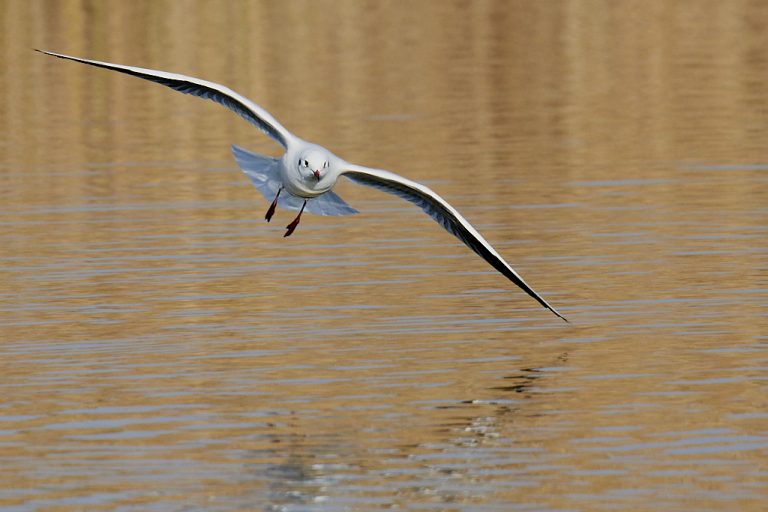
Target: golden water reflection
163	347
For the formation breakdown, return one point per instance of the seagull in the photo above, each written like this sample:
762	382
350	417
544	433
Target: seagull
303	178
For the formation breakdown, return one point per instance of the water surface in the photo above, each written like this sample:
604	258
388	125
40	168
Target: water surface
163	348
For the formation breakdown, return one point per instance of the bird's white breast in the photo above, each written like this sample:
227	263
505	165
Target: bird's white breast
302	186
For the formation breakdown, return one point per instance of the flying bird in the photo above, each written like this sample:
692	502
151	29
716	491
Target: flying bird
303	178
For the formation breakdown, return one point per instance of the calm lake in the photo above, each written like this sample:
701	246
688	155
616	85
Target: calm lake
163	348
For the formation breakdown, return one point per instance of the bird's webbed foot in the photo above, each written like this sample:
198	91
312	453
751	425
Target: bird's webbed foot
271	210
292	226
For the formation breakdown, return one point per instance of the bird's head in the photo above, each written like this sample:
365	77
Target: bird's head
313	164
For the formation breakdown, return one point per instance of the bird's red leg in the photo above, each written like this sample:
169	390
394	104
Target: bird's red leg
292	226
272	207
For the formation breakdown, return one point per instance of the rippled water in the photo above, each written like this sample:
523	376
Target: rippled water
163	348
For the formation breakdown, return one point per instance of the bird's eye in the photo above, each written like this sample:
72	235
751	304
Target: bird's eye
306	164
325	164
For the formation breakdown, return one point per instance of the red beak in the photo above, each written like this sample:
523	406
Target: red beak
317	174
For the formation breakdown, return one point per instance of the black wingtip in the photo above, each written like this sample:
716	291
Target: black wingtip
556	313
45	52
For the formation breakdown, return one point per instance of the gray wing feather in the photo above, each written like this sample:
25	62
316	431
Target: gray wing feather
445	215
262	171
330	204
200	88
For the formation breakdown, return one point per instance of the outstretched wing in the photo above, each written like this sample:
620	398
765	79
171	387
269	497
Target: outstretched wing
242	106
447	216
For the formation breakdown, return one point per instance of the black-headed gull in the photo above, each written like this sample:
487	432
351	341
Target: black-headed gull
304	176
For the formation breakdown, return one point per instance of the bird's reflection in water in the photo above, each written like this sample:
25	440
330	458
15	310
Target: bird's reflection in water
525	379
309	468
479	444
